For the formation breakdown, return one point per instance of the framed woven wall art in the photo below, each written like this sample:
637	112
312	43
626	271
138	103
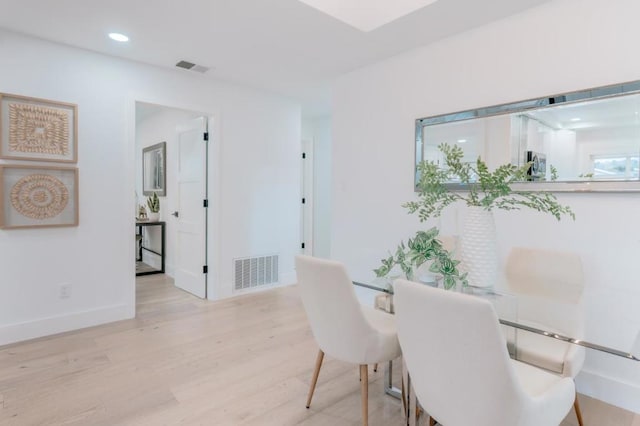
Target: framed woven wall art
38	196
38	129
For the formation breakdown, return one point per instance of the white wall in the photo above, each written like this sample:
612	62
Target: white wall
561	46
254	185
319	131
256	139
562	154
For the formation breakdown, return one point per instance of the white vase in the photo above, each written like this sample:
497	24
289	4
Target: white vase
478	252
154	217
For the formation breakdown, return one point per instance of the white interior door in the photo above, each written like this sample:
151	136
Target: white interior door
191	242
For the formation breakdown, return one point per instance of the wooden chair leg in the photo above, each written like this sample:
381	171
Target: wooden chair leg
364	386
375	367
403	395
314	380
576	406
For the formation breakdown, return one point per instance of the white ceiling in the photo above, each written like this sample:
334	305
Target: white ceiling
283	46
367	15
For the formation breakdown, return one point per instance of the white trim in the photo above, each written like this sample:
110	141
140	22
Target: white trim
129	133
610	390
169	270
214	210
306	189
68	322
580	186
287	279
257	289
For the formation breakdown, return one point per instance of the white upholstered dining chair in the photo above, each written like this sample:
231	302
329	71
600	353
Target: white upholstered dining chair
459	366
343	328
549	285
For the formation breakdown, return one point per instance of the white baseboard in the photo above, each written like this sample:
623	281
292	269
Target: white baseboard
59	324
169	270
152	260
610	390
288	278
285	280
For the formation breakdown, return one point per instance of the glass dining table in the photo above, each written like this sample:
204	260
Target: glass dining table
506	307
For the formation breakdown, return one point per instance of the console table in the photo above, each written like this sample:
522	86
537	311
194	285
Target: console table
140	227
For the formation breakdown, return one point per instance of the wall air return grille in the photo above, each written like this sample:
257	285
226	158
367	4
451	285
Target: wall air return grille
252	272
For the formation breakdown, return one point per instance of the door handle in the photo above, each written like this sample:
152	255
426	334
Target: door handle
176	214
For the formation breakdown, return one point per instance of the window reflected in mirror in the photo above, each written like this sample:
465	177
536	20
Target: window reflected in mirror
591	140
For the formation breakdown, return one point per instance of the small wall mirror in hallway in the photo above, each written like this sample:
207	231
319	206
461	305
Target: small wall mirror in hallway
154	169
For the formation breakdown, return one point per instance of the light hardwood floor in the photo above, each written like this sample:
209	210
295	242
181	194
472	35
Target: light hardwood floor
242	361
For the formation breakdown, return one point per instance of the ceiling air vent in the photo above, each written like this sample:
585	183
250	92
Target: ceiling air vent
192	67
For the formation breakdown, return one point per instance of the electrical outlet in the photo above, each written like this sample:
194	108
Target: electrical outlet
65	291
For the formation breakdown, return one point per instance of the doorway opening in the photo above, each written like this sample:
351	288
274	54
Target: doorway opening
171	158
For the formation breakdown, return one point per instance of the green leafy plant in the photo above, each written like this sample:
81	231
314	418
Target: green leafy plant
422	248
482	187
154	203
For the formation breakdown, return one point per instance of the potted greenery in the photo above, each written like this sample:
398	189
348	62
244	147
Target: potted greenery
483	191
153	202
422	248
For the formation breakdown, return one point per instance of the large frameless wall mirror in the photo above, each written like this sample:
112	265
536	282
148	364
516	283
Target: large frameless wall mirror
581	141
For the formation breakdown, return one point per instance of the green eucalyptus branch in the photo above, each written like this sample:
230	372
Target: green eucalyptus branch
485	188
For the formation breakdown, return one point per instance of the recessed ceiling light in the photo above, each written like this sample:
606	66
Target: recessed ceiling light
576	119
462	140
118	37
367	15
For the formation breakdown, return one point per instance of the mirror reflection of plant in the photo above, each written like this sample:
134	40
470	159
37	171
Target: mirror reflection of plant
484	188
553	171
422	248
